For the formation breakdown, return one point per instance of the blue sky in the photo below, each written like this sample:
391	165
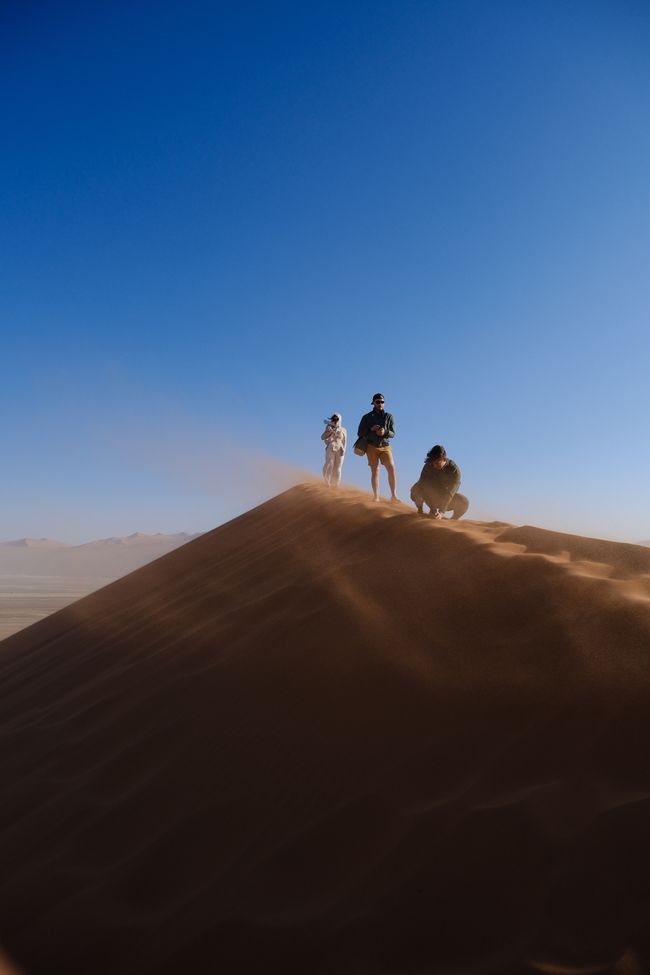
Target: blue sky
222	221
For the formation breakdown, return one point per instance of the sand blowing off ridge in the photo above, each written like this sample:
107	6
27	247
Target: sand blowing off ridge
331	737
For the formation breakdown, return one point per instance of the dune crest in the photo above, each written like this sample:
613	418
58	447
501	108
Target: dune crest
331	737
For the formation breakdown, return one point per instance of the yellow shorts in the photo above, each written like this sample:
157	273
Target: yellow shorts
379	455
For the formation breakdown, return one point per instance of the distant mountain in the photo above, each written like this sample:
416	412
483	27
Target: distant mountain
105	558
39	576
139	538
48	543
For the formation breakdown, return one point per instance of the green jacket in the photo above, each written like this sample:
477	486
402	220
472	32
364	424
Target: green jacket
440	485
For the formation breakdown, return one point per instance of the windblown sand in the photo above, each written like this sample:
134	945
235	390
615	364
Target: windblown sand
331	737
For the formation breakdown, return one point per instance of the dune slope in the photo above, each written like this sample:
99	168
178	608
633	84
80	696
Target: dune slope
331	737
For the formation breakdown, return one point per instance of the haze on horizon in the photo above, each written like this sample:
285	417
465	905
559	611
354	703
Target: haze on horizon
222	222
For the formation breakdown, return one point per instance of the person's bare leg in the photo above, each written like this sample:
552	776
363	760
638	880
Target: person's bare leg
374	480
392	481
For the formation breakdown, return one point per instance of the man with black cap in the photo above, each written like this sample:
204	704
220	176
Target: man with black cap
438	486
378	428
335	437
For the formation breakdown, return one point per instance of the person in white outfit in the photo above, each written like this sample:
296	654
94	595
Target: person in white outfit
335	437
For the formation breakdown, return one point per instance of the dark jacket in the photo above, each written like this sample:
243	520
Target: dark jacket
439	485
384	420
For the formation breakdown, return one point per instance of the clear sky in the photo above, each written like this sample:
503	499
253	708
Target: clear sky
222	221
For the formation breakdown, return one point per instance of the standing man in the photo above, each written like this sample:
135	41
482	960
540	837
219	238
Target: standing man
335	437
438	486
378	427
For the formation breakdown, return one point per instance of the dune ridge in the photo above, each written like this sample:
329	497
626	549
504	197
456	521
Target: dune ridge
332	737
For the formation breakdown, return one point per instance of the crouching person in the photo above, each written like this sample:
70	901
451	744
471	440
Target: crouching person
438	486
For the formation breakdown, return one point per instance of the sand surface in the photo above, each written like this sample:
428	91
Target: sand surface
331	737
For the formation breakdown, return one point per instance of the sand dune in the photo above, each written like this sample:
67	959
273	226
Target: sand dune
331	737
